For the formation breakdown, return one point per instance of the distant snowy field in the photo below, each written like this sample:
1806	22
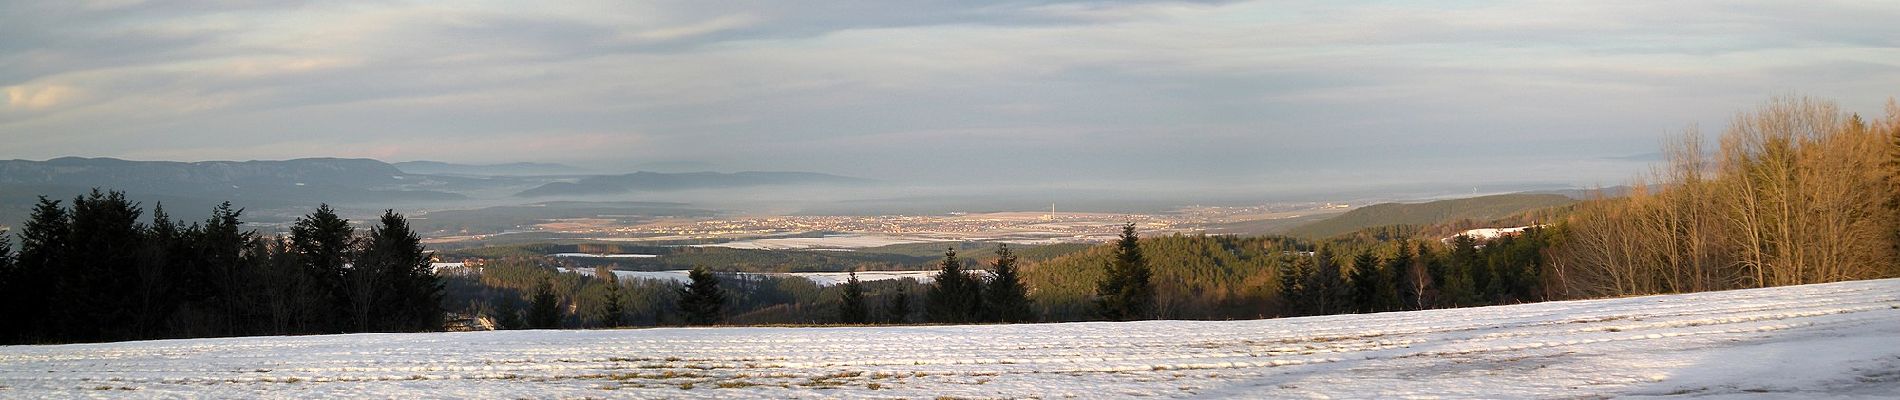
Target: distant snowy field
820	278
1834	340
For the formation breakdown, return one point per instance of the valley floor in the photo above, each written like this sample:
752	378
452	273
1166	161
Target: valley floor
1832	340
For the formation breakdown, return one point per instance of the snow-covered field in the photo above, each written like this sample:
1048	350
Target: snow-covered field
821	278
1834	340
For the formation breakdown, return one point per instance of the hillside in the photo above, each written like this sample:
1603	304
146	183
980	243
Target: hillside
1814	341
1481	208
509	169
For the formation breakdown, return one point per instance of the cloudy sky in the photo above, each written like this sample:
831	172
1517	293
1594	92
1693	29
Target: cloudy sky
1216	93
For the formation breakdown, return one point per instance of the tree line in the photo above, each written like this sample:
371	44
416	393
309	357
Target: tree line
1795	192
95	270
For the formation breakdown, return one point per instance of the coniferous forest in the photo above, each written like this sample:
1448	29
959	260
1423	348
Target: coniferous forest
96	269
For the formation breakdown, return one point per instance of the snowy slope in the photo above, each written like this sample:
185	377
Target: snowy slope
1833	340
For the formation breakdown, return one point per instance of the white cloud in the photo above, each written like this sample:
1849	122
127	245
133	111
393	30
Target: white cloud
39	97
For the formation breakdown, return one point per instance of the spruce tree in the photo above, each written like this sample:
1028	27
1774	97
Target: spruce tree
1371	288
1432	290
1330	295
1125	292
1295	297
955	297
95	295
851	307
701	301
897	310
1406	284
223	254
1466	275
1007	298
406	295
612	314
43	249
544	307
323	242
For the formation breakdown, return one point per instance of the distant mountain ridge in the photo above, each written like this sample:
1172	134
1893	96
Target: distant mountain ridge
657	181
1477	208
326	179
507	169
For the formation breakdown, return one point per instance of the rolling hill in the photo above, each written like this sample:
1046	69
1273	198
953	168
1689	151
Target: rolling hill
1475	208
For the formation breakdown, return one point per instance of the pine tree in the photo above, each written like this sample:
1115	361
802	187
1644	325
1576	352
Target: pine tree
897	311
851	307
702	301
544	307
955	297
612	314
1461	286
95	298
1405	278
1330	295
323	242
1125	293
1371	288
405	292
1432	288
1007	298
223	254
43	249
1295	297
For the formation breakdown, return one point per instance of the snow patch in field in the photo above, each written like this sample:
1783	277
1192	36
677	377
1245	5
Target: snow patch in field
820	278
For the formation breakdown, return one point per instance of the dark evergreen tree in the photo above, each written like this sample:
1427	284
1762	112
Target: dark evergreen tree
158	275
544	307
1434	279
323	242
1125	292
612	313
1371	288
406	294
851	307
9	287
1406	283
1466	276
1329	292
1006	297
225	259
507	315
897	310
701	301
1296	298
955	297
95	296
43	249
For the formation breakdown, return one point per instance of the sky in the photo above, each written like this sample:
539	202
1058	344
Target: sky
1103	93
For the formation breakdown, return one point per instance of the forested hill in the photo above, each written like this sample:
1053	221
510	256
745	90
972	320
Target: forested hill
1195	277
1475	208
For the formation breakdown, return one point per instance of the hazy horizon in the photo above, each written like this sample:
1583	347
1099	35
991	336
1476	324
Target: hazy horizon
1206	96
